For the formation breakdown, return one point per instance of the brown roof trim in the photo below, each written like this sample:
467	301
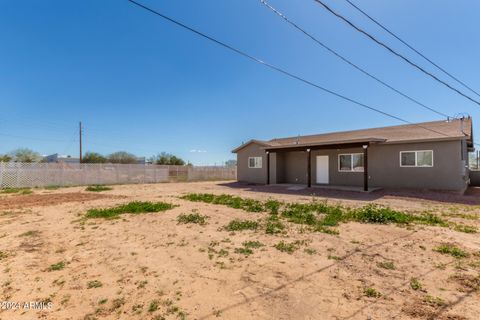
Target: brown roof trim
328	143
260	142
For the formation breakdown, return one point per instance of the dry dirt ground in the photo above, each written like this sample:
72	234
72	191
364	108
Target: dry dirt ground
150	267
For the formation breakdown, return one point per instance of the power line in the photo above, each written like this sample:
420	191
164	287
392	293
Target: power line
291	75
338	55
411	47
395	52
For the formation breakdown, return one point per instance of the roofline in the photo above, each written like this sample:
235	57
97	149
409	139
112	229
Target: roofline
337	142
368	140
260	142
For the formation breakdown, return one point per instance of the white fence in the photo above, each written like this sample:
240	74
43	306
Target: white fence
21	175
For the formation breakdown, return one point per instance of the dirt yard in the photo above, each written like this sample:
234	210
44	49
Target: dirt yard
150	266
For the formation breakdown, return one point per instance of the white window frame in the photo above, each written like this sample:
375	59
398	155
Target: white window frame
258	163
416	159
351	166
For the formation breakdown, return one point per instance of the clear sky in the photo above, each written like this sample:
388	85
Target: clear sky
143	85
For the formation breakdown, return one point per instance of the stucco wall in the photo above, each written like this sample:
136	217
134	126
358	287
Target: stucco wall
251	175
447	173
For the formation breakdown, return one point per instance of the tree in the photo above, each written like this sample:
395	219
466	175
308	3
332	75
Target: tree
231	163
93	157
5	158
25	155
164	158
122	157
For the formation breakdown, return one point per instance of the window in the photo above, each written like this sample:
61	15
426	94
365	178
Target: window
421	158
255	162
350	162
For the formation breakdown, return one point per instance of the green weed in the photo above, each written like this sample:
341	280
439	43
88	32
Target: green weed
238	225
98	188
372	293
452	250
135	207
415	284
192	218
386	265
94	284
57	266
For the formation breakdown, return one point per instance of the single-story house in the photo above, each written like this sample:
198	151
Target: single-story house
429	155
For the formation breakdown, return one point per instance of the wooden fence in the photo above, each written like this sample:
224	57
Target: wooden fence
22	175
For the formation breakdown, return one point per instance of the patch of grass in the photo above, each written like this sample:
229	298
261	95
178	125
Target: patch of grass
238	225
452	250
272	206
94	284
57	266
195	218
249	205
433	301
153	306
288	247
31	233
16	190
118	303
98	188
243	250
253	244
372	293
386	265
415	284
310	251
465	228
135	207
274	225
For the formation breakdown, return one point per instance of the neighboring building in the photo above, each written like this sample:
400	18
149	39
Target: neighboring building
430	155
60	158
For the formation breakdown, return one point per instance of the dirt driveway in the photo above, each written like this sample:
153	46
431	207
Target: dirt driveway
150	266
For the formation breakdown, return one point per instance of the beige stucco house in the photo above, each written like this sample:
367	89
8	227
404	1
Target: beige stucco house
430	155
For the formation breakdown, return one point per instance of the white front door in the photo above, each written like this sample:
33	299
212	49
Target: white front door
322	169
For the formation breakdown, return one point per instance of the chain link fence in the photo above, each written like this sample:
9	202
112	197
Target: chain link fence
23	175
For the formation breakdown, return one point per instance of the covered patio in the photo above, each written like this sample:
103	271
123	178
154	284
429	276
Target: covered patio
338	165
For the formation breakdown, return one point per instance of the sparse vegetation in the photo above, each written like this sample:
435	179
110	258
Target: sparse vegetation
57	266
31	233
94	284
372	293
98	188
433	301
452	250
288	247
16	190
195	218
386	265
135	207
415	284
239	225
319	216
153	306
3	255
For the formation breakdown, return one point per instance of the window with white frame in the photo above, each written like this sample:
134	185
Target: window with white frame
351	162
420	158
255	162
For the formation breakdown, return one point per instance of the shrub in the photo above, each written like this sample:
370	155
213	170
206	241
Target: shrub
288	247
253	244
415	284
94	284
274	225
386	265
135	207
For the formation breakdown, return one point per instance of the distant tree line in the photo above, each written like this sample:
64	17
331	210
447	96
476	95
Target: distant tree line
162	158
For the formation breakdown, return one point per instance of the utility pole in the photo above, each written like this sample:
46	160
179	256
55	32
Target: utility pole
80	132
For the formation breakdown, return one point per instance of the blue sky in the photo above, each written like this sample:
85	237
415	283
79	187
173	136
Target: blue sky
143	85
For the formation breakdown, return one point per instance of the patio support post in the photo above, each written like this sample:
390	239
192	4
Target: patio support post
309	169
268	167
365	167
